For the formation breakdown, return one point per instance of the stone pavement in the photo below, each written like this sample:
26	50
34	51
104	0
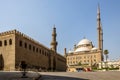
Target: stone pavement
16	75
106	75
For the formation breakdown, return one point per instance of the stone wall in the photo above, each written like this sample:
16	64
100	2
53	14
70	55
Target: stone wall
61	63
7	50
84	58
24	48
34	54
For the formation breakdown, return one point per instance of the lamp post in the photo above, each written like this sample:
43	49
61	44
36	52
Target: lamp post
23	66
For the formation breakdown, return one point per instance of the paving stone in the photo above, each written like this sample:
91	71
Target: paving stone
106	75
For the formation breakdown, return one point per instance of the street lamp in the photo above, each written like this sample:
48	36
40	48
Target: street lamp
23	66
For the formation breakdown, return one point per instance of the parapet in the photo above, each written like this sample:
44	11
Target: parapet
21	34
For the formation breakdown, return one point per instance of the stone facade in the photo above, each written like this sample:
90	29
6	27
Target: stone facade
84	53
16	47
87	58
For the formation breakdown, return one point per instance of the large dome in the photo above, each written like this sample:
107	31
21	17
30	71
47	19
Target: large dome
84	45
84	41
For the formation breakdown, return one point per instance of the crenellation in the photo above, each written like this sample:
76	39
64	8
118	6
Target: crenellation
22	34
31	51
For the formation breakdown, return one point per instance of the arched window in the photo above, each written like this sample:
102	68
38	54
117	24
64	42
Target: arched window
33	48
5	42
10	42
0	43
29	46
25	45
40	51
20	43
36	49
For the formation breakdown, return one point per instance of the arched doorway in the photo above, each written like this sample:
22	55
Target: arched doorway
1	62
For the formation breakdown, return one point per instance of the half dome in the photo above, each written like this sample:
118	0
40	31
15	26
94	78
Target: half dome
82	49
94	48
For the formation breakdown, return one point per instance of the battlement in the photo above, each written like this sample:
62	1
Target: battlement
21	34
7	32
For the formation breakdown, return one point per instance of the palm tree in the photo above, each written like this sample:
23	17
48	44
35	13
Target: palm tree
106	54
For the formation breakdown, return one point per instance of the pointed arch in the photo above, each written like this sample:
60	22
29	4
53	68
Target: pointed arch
5	42
1	62
10	41
0	43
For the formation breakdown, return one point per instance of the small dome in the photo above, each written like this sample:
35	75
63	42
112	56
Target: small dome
94	49
84	41
82	49
70	51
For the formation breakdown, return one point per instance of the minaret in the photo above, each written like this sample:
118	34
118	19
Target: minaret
100	32
65	52
54	42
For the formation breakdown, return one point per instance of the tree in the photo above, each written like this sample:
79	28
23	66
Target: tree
106	54
79	64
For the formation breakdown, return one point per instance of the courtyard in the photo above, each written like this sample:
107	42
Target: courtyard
104	75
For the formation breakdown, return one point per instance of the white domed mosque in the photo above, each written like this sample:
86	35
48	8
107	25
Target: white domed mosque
83	46
84	54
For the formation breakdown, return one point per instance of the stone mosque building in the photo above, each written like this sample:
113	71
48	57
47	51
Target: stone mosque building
84	53
16	47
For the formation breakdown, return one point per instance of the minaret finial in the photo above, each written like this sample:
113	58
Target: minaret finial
98	10
54	26
84	37
98	13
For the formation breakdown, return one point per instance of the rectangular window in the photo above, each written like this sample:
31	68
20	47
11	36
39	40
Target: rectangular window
84	56
94	56
87	60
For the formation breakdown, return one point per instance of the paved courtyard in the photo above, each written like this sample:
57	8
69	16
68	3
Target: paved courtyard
16	75
107	75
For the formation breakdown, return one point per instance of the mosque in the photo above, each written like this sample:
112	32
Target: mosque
84	54
16	47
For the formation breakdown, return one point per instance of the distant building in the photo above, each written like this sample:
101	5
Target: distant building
84	53
16	47
110	64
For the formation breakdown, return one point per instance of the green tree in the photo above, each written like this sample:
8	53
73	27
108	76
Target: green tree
106	54
79	64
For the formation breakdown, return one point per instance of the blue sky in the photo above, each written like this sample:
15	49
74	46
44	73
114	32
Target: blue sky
74	19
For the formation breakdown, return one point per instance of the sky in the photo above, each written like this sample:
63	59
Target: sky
74	19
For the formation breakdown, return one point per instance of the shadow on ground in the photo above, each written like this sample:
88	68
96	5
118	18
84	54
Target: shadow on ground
53	77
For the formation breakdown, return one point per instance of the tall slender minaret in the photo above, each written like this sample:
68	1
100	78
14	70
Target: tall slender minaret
54	42
100	33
